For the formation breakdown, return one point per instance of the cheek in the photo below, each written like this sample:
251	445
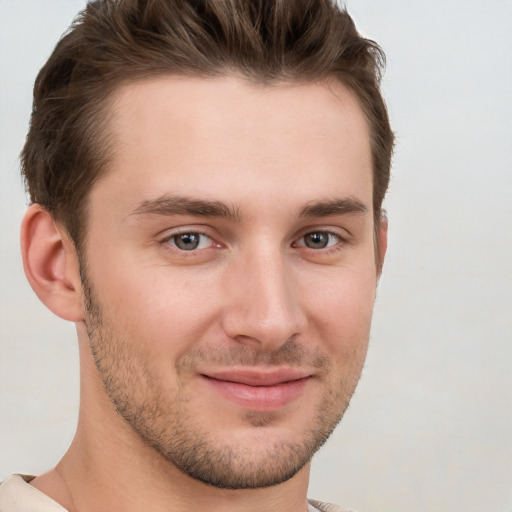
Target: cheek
161	311
341	313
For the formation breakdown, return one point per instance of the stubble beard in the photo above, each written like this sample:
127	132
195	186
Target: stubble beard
163	421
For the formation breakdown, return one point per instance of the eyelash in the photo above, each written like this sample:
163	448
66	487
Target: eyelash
338	244
335	243
172	241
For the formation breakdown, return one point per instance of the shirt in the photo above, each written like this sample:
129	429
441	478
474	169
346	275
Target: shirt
17	495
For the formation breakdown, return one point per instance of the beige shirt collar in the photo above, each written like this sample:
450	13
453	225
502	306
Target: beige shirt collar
17	495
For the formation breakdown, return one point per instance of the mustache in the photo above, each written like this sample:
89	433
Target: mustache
290	353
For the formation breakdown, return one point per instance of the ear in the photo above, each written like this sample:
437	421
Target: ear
382	241
51	264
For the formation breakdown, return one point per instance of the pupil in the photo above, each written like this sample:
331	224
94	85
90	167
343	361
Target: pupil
188	241
316	240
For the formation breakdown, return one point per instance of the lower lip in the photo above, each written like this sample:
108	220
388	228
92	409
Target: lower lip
259	398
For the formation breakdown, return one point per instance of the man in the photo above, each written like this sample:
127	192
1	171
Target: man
206	182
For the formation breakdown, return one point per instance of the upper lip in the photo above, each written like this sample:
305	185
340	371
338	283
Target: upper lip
258	376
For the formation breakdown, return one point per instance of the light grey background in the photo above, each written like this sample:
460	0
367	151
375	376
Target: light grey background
430	427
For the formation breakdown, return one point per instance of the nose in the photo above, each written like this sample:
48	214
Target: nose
263	309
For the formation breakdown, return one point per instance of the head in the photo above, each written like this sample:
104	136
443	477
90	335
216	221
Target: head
219	168
112	43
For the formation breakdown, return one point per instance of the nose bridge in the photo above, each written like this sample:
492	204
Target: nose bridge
264	308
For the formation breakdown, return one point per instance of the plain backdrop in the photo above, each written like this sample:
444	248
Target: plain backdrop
430	426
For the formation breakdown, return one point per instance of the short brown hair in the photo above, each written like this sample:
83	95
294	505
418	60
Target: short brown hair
112	42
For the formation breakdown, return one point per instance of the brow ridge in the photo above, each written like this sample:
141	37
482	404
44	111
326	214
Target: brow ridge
337	206
180	205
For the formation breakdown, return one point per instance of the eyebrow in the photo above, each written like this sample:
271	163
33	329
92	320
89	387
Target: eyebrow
343	206
179	205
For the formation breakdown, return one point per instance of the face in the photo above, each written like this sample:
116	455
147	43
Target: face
229	271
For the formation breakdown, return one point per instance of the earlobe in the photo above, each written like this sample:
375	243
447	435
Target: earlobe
51	264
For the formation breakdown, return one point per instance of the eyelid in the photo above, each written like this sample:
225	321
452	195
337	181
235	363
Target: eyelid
169	232
167	235
338	232
321	231
343	238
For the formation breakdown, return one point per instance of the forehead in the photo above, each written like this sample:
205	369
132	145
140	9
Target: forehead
229	136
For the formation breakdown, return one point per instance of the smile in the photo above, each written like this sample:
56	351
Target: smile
259	390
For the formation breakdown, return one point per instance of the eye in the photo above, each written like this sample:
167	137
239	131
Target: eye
190	241
318	240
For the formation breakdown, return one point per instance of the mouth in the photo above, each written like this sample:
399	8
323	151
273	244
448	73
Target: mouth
258	389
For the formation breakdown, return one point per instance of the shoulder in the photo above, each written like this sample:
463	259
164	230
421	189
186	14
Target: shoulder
315	506
17	495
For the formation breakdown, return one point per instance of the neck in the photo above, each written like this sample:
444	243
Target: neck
117	479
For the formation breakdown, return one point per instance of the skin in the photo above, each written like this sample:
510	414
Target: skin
284	169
